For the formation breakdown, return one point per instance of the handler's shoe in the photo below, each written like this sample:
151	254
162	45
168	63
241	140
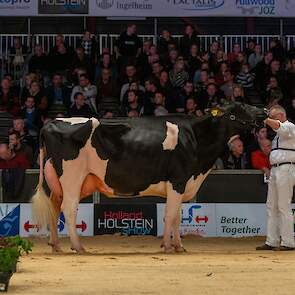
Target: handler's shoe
283	248
265	247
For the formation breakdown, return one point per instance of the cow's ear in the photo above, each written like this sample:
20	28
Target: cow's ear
216	112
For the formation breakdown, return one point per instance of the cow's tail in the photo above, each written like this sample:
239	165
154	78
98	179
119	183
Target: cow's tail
42	208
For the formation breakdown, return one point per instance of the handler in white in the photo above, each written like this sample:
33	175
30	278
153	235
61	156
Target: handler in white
280	225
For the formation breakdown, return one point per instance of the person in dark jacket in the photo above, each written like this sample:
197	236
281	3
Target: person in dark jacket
80	108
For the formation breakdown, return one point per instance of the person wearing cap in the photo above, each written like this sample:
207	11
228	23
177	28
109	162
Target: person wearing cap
280	227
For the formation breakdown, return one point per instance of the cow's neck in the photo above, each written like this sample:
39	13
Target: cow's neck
212	135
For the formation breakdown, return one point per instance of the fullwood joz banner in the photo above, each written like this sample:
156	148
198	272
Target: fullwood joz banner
63	6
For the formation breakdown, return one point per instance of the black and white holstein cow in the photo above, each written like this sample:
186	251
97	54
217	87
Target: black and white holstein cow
166	156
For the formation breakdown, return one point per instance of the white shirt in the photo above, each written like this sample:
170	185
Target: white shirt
285	139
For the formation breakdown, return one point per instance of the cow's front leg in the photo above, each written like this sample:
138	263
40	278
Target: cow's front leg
69	207
176	233
173	204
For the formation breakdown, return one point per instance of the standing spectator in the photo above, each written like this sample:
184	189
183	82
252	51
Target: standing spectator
58	96
128	46
194	60
250	47
261	72
88	90
80	108
9	101
9	159
89	44
189	38
255	57
165	40
237	158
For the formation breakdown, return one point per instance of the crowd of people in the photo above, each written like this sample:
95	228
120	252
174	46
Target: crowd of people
143	79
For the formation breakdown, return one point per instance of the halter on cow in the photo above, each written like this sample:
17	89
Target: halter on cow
170	157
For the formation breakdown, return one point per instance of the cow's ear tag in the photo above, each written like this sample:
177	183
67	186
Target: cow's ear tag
216	112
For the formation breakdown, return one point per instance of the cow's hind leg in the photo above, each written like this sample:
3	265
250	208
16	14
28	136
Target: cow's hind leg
173	204
69	207
53	240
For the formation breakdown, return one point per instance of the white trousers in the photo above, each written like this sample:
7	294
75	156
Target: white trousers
280	222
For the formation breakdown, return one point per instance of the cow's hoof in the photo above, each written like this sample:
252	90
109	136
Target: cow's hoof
179	249
57	250
79	251
168	249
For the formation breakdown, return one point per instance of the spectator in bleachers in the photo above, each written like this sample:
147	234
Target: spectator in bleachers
181	98
236	159
38	63
80	108
81	60
189	38
9	159
290	79
31	116
156	70
277	50
233	56
9	100
211	98
228	85
194	60
245	78
106	63
132	104
89	91
149	99
255	57
135	86
41	100
89	44
172	58
238	94
178	75
25	91
160	109
142	63
201	86
58	95
236	66
129	75
191	107
19	147
275	70
250	47
261	72
128	46
260	157
165	40
274	95
107	86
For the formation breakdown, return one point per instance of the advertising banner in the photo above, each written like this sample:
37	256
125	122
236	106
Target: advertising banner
9	219
18	7
127	219
84	222
197	219
240	220
63	6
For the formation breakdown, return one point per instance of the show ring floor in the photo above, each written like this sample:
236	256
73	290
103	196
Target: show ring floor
136	265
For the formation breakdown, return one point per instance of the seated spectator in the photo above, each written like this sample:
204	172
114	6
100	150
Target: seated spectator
19	147
106	63
238	94
236	159
25	91
194	60
233	56
58	95
236	66
132	104
255	57
133	114
19	126
245	78
274	95
9	101
81	60
172	58
178	76
211	98
80	108
250	48
160	109
228	85
9	159
157	68
261	72
219	77
31	117
107	86
89	91
41	100
260	157
135	86
149	98
191	107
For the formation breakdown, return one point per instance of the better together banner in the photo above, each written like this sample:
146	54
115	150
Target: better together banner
149	8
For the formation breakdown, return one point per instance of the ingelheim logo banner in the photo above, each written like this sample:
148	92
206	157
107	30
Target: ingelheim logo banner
63	6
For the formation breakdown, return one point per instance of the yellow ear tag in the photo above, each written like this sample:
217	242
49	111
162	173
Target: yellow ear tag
214	112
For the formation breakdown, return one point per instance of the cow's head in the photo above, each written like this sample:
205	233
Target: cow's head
240	117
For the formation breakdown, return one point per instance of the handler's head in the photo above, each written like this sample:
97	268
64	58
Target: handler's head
278	113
